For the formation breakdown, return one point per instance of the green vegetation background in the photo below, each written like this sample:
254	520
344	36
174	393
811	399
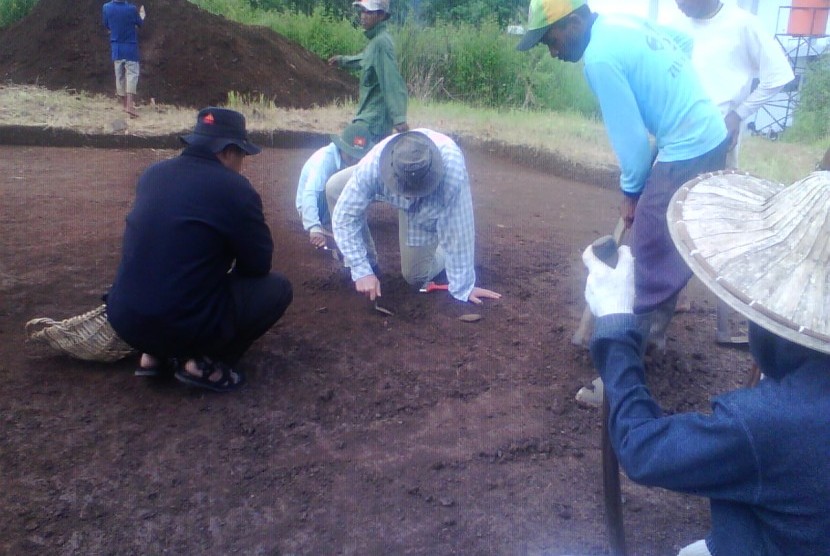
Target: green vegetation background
458	51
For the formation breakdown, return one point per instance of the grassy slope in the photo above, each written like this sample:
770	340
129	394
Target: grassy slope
573	137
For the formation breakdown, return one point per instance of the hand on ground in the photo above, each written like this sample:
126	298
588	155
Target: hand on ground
369	286
317	239
478	295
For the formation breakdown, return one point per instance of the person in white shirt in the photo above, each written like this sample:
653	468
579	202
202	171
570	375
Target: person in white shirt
730	50
344	151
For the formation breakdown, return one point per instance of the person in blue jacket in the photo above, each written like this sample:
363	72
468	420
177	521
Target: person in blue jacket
762	455
663	127
194	288
123	19
344	151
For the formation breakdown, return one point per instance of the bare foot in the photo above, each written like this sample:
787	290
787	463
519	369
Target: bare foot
148	361
152	366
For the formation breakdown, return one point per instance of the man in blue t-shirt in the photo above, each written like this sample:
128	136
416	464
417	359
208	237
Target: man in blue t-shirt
122	19
663	127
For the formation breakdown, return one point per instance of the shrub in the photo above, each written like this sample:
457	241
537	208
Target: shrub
812	117
480	66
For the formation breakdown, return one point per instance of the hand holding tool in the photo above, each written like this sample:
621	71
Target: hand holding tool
606	250
609	290
604	247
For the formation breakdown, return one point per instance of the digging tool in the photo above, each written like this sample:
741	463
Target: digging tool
335	254
432	287
383	310
605	246
611	488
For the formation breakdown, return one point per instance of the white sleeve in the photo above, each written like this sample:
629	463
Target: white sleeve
772	66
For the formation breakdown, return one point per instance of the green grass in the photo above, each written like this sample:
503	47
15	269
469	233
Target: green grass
13	10
535	100
584	140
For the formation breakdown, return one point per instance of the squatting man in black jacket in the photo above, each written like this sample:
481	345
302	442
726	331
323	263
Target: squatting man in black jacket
194	288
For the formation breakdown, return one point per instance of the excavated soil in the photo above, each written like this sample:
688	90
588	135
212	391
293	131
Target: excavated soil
189	57
357	433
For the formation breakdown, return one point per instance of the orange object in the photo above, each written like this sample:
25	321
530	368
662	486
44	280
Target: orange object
432	286
808	17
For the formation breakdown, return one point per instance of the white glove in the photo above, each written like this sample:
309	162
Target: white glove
609	290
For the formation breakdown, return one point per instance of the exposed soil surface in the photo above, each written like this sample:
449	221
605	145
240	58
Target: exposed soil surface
358	433
189	57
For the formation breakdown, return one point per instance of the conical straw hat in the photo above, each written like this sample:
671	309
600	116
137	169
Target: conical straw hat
762	247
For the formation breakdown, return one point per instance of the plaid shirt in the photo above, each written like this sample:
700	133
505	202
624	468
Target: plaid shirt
444	216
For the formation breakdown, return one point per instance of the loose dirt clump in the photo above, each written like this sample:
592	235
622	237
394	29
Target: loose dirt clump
189	57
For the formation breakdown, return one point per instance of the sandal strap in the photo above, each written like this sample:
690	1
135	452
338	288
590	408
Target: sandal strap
227	381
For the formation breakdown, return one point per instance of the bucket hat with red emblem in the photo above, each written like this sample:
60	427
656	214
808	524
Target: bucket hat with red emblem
216	128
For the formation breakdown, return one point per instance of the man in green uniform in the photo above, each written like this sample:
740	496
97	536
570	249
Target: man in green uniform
383	95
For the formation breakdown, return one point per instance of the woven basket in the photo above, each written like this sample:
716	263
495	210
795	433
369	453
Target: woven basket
89	336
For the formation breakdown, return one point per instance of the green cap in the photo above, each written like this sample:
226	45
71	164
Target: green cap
355	140
541	15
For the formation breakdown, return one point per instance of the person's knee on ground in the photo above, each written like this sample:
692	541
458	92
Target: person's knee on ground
419	264
422	264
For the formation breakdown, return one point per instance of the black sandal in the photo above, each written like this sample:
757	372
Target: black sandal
229	380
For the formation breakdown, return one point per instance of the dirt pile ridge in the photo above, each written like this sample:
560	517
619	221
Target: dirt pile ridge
189	57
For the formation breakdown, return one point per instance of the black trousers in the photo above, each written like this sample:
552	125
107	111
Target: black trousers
258	303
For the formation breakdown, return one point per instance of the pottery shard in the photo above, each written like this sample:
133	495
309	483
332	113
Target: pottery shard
470	317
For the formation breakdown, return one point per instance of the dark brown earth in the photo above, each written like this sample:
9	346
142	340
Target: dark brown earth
189	57
357	433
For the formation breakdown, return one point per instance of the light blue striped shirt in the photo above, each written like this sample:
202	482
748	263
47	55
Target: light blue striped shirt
317	170
444	216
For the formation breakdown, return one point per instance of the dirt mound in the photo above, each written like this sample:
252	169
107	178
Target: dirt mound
189	57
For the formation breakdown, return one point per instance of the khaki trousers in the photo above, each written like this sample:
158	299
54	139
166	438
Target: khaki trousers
419	264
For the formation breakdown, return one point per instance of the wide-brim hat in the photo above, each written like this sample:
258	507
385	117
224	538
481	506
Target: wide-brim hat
355	140
411	164
762	247
541	15
216	128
